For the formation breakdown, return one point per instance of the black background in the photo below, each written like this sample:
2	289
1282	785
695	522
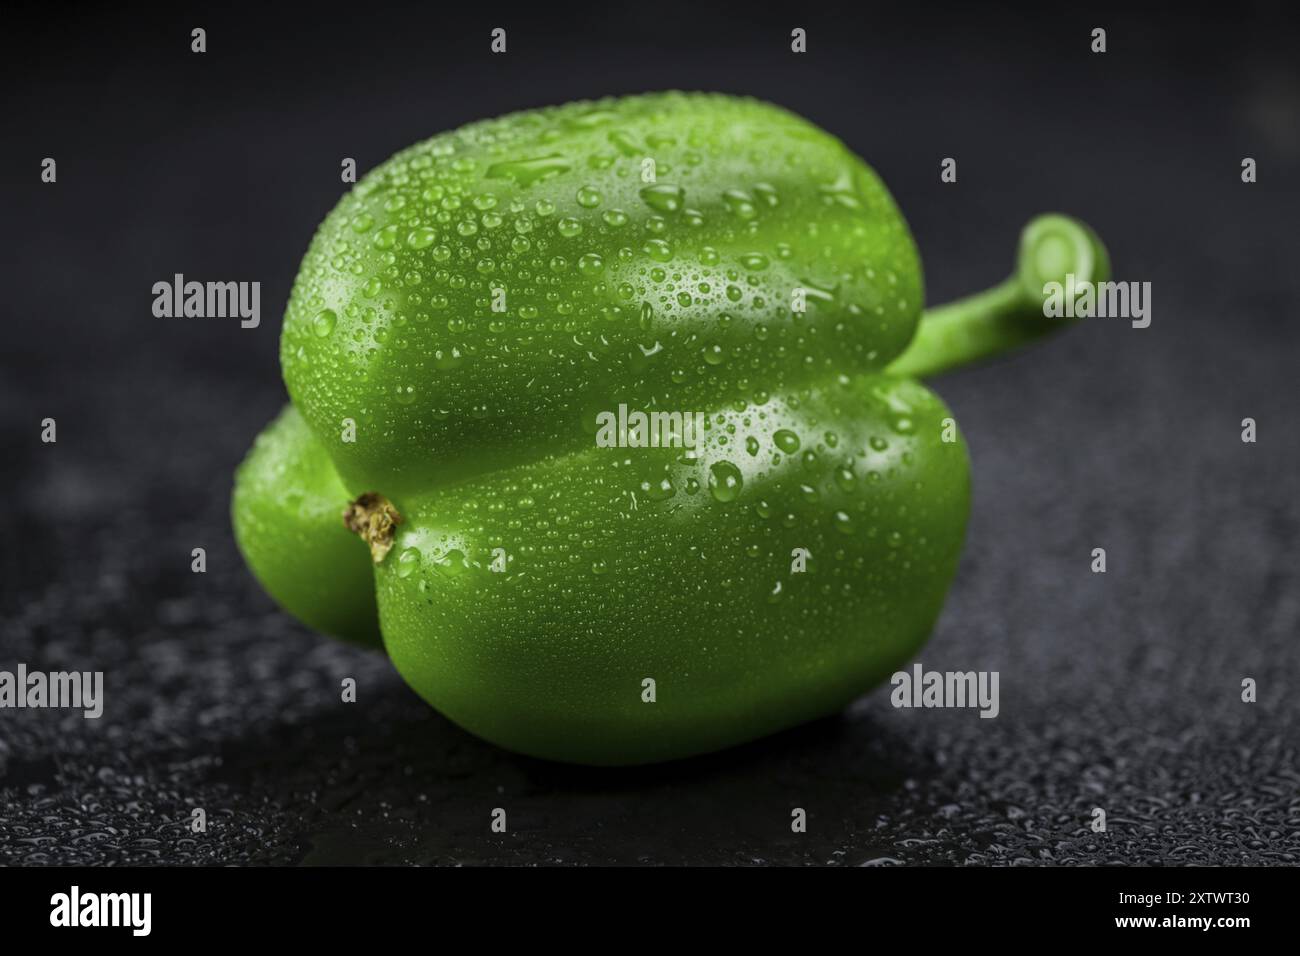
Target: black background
1119	691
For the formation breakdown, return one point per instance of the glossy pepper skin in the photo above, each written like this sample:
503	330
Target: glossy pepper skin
467	311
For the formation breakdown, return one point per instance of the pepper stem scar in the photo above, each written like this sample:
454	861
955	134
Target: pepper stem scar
374	519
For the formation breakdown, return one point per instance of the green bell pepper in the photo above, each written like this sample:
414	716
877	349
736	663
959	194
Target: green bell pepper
470	319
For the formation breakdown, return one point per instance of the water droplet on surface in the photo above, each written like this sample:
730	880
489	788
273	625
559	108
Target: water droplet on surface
739	203
658	250
453	563
664	197
407	562
661	490
528	171
421	238
725	481
787	441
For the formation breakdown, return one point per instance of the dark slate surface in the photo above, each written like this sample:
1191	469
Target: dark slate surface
1118	690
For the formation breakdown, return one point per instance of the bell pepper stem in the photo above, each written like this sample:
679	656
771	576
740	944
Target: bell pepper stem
1012	313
